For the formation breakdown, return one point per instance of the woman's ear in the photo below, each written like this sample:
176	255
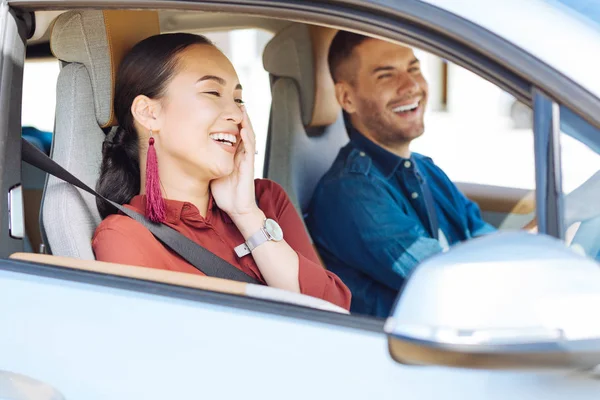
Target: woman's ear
145	112
344	95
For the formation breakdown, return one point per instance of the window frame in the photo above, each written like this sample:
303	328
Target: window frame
13	30
548	177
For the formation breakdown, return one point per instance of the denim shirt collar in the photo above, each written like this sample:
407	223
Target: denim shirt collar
385	161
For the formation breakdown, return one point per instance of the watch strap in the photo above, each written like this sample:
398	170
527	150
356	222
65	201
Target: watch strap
260	237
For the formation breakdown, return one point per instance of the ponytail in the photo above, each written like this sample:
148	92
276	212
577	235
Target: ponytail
120	170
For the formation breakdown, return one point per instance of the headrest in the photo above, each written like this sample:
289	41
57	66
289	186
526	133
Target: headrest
300	52
99	40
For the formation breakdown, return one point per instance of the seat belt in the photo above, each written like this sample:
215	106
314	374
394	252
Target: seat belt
202	259
429	204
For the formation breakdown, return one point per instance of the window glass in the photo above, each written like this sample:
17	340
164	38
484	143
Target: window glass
475	131
244	47
37	119
39	94
581	184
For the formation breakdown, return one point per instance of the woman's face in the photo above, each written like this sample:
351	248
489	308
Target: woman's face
200	116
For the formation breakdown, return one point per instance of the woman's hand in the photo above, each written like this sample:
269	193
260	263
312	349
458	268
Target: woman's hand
234	193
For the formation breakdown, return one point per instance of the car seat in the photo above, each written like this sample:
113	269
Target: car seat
90	45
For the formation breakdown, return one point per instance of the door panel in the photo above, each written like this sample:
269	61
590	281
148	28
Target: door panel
503	207
105	342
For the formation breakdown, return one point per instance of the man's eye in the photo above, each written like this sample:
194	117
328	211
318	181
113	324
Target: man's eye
415	69
239	101
384	76
214	93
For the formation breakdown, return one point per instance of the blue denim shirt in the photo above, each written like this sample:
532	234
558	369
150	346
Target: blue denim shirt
370	223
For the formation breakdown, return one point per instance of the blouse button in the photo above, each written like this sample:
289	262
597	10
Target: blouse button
414	195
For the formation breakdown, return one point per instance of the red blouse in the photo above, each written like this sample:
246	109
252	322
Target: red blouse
120	239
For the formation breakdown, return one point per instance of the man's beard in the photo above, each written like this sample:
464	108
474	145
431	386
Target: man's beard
385	131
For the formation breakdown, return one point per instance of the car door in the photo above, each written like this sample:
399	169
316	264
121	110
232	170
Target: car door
95	336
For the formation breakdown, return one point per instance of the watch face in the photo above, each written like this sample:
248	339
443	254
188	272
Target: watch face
274	230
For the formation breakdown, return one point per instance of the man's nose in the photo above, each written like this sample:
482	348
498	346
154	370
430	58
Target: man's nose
407	84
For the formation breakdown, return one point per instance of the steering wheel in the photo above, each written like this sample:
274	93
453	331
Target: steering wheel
582	205
587	237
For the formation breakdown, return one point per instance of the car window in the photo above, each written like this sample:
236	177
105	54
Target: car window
475	131
581	184
244	47
39	93
37	121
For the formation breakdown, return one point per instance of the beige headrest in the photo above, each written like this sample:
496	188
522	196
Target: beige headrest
300	52
99	40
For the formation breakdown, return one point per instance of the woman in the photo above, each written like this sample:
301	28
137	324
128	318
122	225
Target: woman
184	155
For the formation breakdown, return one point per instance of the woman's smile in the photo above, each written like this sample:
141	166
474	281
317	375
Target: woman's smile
227	141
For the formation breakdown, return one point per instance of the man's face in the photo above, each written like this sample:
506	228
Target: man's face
387	95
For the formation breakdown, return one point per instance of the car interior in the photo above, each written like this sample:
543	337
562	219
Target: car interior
305	133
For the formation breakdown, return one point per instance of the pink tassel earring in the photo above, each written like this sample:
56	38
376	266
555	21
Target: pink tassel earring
155	204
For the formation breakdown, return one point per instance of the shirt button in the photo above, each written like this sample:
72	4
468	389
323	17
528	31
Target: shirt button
407	164
414	195
362	153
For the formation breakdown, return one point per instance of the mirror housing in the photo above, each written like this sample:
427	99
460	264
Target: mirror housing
504	301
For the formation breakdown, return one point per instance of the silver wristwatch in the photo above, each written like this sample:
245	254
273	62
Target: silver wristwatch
270	231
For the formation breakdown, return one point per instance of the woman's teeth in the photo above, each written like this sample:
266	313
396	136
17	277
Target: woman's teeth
408	107
225	138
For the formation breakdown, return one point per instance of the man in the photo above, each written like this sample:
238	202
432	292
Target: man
380	210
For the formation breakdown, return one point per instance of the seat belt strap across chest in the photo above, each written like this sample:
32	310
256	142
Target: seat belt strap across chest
201	258
429	204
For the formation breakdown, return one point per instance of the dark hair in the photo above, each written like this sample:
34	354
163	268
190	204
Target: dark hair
341	49
145	70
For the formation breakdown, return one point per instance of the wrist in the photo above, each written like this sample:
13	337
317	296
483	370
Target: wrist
249	223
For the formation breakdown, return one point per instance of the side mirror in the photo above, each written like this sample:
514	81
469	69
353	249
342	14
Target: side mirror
505	301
